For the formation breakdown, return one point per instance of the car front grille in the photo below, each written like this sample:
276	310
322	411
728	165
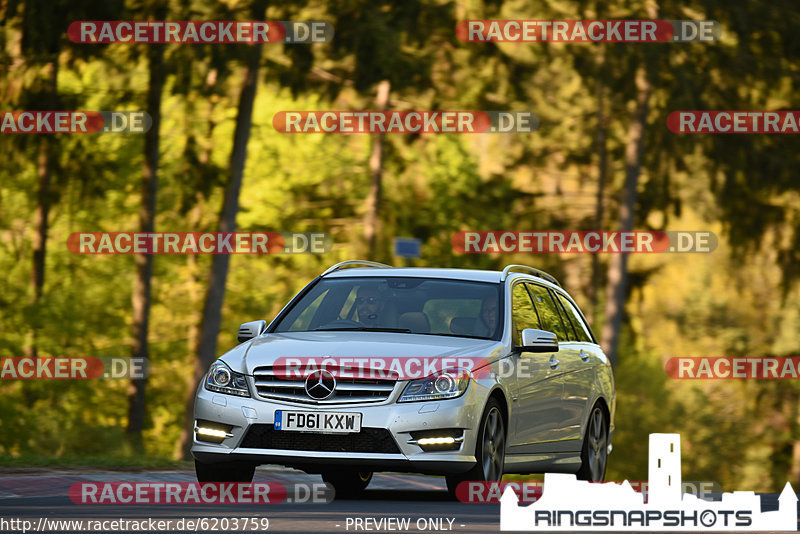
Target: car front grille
264	436
273	383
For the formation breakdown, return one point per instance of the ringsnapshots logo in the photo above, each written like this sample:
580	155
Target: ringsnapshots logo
568	504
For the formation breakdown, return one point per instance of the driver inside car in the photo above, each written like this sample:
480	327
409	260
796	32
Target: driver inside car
487	320
369	305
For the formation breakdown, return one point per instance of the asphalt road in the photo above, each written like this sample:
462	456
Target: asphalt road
420	499
390	499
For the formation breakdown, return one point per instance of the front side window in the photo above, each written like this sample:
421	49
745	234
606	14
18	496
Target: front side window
398	304
522	312
548	313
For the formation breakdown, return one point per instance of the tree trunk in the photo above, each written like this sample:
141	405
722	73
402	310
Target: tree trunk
602	167
144	262
618	266
44	171
794	469
375	175
205	346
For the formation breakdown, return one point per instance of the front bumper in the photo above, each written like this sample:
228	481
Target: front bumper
395	421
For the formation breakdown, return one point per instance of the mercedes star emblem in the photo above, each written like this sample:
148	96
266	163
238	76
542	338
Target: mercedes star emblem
320	384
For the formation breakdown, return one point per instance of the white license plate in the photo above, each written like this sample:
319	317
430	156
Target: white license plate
328	422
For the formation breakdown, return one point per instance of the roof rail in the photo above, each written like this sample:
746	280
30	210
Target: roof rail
530	270
353	263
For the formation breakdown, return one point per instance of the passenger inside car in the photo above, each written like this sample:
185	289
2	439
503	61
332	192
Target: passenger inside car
482	326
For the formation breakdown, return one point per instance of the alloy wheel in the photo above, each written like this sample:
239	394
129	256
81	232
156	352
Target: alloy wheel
598	445
493	445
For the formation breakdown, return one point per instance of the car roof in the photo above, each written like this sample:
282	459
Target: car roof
473	275
419	272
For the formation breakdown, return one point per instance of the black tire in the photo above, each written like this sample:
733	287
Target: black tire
347	483
490	449
594	454
224	472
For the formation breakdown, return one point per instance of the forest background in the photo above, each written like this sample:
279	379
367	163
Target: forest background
602	158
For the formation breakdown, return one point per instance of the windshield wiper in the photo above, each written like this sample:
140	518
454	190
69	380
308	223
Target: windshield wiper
365	329
455	335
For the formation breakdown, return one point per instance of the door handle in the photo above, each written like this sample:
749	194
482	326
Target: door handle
584	356
554	363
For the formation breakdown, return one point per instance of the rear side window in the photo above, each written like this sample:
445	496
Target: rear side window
581	331
571	335
548	313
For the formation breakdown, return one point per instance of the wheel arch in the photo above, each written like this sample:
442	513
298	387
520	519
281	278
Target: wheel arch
500	395
603	404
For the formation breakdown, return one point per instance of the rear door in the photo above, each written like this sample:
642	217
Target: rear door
580	368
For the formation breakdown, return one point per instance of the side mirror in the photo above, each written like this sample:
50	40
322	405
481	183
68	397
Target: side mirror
251	330
534	340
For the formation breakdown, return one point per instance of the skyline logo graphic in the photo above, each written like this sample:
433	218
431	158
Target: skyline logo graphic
568	504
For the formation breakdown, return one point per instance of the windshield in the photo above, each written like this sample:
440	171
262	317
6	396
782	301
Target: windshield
398	304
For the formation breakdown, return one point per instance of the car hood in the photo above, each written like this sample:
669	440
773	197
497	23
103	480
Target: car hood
266	349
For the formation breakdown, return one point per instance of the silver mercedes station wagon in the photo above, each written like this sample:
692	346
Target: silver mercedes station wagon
464	373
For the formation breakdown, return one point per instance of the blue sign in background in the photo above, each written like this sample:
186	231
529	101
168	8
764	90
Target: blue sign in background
407	247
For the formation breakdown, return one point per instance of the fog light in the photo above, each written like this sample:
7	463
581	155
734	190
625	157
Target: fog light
449	440
212	432
438	440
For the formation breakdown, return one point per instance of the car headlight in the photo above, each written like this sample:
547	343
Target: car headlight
447	384
221	379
